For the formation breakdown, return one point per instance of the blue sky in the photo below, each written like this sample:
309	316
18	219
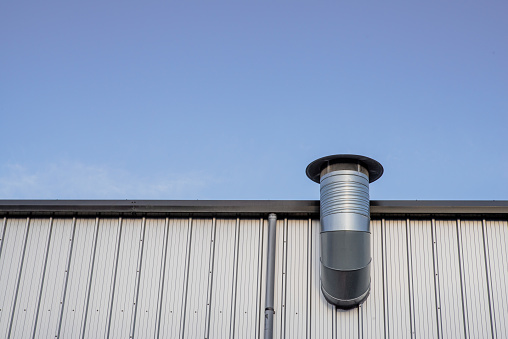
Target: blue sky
232	100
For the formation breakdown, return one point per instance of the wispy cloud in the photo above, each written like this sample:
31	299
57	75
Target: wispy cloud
75	180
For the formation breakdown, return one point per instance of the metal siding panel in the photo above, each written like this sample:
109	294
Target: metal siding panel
261	230
223	282
198	281
237	292
3	229
280	280
173	289
372	311
309	276
397	279
296	275
439	317
79	277
249	281
321	312
2	233
497	236
452	317
475	283
424	292
235	279
55	277
127	273
150	280
13	242
347	323
101	288
31	278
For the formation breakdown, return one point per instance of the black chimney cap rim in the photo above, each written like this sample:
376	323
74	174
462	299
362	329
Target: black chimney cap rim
375	169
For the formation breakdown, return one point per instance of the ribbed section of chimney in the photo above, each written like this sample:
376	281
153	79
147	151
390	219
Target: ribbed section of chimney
345	226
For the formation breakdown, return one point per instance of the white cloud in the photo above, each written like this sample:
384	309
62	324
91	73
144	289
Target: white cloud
75	180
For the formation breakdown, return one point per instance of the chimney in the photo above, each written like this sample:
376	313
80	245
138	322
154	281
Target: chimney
345	225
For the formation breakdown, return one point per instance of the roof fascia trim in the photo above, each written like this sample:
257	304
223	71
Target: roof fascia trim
310	207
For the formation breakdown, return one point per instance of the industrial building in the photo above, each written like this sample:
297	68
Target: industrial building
196	269
201	269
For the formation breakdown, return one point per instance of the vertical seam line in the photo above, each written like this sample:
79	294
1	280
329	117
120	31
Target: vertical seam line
260	284
437	290
235	279
91	276
161	279
284	281
28	222
3	236
487	276
210	279
120	221
309	277
360	321
462	286
140	267
386	321
41	289
410	280
186	281
68	268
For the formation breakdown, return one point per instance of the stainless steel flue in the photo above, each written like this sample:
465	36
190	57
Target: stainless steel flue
345	225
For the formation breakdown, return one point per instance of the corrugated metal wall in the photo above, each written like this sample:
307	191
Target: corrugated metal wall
204	278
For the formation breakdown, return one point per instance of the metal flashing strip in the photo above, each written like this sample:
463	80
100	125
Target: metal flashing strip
284	208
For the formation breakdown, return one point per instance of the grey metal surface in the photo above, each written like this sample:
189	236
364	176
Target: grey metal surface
173	288
373	311
295	305
397	279
225	258
53	293
149	286
496	234
344	213
449	284
31	280
270	276
11	265
345	201
80	270
430	278
101	280
475	284
248	311
244	208
341	249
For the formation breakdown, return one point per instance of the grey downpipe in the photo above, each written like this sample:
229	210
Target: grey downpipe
270	276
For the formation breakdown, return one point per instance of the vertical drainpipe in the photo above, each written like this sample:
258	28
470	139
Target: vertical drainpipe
270	277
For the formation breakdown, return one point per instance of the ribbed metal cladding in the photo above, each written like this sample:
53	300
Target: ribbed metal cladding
345	226
345	200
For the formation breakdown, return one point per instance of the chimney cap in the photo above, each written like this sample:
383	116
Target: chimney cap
314	169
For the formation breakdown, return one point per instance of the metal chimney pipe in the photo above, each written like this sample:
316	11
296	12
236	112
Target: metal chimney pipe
345	225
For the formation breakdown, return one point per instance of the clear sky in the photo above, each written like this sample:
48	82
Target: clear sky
232	100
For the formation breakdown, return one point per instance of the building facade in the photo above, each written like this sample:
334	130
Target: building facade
197	269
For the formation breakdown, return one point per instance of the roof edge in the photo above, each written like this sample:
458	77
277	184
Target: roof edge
299	207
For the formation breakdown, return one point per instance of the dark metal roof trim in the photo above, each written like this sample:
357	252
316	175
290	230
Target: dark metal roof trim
162	206
439	206
246	207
